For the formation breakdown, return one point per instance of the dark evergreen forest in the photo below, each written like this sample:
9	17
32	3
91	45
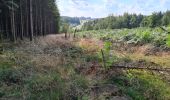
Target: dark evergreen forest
28	18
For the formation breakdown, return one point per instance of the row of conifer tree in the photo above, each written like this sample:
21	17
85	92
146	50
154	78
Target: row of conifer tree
28	18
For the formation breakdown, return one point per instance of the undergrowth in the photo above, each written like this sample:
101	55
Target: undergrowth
142	85
23	76
155	36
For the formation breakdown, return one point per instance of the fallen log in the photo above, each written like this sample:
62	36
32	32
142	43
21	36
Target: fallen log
139	68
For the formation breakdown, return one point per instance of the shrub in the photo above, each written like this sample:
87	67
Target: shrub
146	37
10	75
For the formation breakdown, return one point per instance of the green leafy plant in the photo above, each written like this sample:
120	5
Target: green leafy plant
168	41
146	36
109	58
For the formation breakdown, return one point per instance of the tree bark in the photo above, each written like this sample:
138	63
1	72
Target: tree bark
31	22
21	23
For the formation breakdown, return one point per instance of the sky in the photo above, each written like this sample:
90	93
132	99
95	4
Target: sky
103	8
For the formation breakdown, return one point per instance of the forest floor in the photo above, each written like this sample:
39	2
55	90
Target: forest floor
54	67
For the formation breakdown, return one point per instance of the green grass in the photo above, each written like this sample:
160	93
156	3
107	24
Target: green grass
17	83
142	85
25	80
45	87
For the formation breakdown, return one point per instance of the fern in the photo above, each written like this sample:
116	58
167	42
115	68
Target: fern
168	41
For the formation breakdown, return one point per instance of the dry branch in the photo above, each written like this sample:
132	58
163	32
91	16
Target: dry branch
139	68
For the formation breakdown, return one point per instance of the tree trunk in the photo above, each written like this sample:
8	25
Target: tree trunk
31	22
13	24
21	18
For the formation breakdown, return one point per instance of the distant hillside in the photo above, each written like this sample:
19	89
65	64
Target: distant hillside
75	21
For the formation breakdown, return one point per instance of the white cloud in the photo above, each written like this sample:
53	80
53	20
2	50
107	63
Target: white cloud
102	8
163	1
82	8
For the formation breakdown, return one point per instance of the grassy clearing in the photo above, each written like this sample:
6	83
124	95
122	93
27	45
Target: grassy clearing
41	71
55	69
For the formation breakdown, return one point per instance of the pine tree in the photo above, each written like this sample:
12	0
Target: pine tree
28	18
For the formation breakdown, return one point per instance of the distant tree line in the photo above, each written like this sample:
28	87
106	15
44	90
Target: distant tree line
74	21
28	18
129	21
